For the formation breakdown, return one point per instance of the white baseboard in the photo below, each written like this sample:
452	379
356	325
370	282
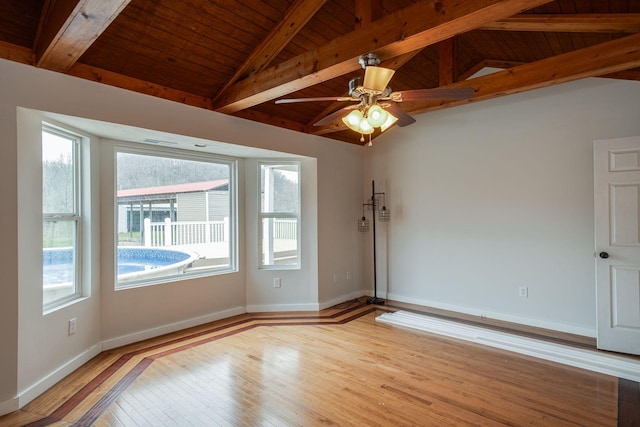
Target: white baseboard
305	307
9	406
172	327
264	308
49	380
560	327
52	378
341	299
604	363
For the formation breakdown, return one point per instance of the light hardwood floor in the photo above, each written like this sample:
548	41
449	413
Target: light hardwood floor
336	367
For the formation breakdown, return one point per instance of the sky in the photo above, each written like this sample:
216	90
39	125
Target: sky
55	147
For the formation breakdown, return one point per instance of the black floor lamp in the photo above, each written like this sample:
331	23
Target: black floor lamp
384	215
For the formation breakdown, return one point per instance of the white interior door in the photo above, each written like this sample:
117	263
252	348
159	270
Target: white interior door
617	221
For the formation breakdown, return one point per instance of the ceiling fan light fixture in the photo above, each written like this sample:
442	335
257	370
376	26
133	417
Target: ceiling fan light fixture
376	116
353	120
365	127
357	122
369	115
377	78
391	119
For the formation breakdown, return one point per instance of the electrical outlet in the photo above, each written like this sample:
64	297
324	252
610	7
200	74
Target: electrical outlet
277	282
348	275
523	291
335	278
72	326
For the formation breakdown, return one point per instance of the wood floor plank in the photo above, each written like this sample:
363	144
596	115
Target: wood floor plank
336	367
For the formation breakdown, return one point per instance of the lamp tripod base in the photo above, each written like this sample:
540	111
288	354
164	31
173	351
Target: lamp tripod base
375	300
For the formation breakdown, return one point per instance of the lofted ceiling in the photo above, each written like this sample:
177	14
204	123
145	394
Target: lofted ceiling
238	56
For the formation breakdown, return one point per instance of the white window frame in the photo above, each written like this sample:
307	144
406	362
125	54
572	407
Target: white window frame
169	153
76	217
279	215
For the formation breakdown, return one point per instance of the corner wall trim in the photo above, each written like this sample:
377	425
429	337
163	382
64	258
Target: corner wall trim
604	363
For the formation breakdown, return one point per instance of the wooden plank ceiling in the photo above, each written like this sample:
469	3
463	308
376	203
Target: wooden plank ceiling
238	56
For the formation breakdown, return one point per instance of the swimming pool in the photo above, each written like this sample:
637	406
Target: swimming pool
141	263
134	263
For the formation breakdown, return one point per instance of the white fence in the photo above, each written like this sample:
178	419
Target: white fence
169	233
285	229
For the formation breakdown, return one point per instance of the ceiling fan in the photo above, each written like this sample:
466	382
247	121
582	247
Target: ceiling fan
376	102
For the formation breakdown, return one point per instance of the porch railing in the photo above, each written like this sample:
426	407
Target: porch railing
168	233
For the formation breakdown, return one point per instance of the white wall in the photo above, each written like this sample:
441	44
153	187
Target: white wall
339	207
299	287
36	350
8	256
499	194
332	250
43	339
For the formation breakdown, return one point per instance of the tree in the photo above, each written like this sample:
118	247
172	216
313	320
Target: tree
142	171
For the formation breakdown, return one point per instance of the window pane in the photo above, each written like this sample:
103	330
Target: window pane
59	259
279	215
60	209
279	188
174	217
58	174
279	241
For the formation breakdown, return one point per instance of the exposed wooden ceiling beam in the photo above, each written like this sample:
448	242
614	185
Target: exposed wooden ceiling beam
16	53
602	59
624	75
594	61
447	72
409	29
294	20
577	23
137	85
69	27
258	116
367	11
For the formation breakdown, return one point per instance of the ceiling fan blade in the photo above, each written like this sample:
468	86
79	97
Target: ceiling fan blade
404	119
377	78
334	116
432	94
322	98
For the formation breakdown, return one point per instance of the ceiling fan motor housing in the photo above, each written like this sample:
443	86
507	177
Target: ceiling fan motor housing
369	59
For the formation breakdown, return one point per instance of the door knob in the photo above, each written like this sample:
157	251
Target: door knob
603	255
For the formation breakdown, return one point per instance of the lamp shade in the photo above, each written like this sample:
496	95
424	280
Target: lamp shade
365	127
363	225
356	122
353	120
376	116
384	214
391	119
377	78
